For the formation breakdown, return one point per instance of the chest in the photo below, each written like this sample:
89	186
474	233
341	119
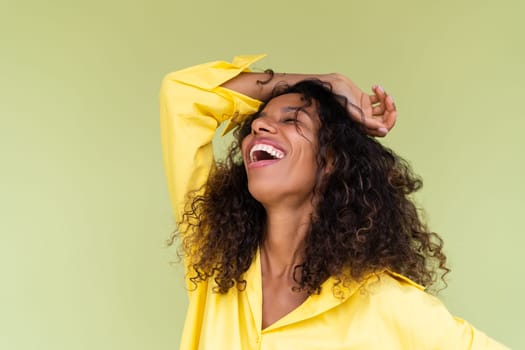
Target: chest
279	299
287	322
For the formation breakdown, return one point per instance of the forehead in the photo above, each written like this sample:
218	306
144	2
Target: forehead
290	102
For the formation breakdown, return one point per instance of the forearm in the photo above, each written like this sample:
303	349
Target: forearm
376	112
261	85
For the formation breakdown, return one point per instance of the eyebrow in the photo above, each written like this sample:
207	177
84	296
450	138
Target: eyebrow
287	109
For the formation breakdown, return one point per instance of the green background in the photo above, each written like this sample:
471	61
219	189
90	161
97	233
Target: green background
84	204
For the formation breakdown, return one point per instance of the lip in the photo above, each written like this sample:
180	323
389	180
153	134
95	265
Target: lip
262	163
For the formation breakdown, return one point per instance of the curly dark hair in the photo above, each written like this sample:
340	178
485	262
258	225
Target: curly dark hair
364	218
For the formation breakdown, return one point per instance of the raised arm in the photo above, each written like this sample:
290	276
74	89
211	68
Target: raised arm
194	101
192	104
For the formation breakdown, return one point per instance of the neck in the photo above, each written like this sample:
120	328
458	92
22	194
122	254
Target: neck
283	246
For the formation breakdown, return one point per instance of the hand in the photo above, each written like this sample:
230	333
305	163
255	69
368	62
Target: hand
379	112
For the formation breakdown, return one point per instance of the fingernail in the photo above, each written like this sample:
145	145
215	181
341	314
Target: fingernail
391	98
383	131
380	88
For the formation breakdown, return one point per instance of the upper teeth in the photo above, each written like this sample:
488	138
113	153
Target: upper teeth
266	148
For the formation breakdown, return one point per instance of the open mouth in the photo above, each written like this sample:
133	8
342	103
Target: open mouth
261	152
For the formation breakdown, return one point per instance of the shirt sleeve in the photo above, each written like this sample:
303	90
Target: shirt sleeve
192	105
425	323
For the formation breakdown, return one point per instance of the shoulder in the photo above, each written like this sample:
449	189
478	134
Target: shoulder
406	301
420	319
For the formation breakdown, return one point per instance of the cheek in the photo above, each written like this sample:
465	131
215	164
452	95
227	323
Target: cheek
309	149
311	166
305	165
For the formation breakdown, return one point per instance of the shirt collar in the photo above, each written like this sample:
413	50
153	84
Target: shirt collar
333	293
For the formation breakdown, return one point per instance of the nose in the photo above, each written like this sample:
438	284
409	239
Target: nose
262	125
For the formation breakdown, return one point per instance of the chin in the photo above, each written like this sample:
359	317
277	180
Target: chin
266	192
272	193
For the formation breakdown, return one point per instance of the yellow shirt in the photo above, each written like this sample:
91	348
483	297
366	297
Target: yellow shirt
387	311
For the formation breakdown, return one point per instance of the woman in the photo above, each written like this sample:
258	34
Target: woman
306	237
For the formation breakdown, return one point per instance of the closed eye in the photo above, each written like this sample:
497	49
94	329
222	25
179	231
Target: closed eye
290	120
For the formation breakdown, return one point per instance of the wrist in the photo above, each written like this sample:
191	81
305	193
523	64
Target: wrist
343	86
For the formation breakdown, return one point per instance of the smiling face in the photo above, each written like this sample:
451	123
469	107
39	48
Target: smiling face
280	152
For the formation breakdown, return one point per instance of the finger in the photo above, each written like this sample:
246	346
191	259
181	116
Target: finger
379	110
381	126
379	100
389	103
379	91
389	120
390	116
385	112
386	104
381	132
372	123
